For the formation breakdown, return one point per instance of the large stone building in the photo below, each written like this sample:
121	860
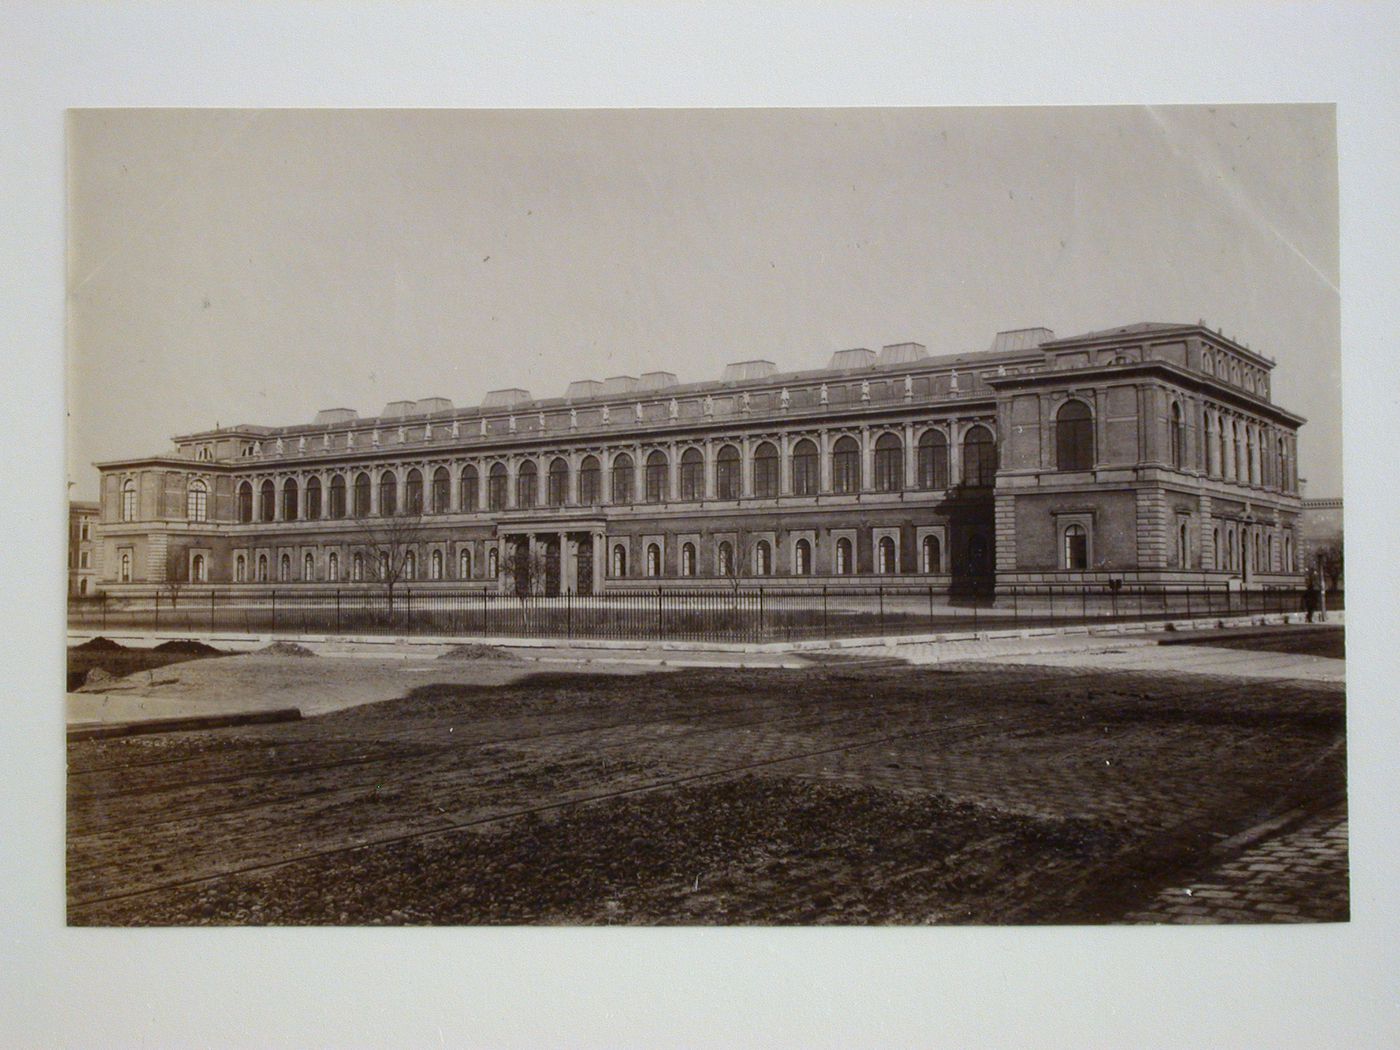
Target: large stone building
1151	452
82	547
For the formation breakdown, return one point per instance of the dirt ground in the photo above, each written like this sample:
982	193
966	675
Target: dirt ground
1312	641
862	793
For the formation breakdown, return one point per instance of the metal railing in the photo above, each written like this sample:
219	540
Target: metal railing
730	614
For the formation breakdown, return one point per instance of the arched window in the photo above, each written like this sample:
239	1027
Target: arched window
1208	363
240	569
845	465
357	568
333	567
262	568
1288	565
197	501
889	464
724	558
410	566
493	563
383	570
197	572
931	555
284	569
289	500
933	460
442	491
496	486
268	498
1231	560
464	564
1222	455
622	473
762	559
413	493
656	480
1250	459
308	567
692	479
1178	437
727	473
362	484
1273	553
313	498
979	457
806	469
1235	372
619	560
1183	553
435	565
388	494
887	560
128	500
590	491
245	502
1076	547
1074	437
765	471
844	562
125	575
802	558
558	494
1241	467
688	559
653	559
471	489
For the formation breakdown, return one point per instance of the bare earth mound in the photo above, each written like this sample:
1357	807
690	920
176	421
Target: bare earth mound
474	651
187	646
283	649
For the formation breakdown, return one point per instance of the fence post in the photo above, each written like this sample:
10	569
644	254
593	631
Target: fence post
826	629
760	614
337	610
569	613
274	612
930	609
1015	606
882	608
211	611
407	611
157	608
1084	603
1188	601
658	612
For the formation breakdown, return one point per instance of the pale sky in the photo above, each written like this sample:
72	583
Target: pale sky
256	266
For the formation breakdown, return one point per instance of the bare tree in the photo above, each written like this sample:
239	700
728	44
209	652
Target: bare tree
177	573
388	544
740	563
526	571
1329	562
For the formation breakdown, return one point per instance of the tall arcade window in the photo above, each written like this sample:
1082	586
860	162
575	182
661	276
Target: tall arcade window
1076	547
1182	550
802	558
267	497
1074	437
362	494
692	477
845	466
806	469
413	492
765	471
622	472
289	500
388	494
558	487
470	495
656	477
128	500
727	473
590	492
245	502
889	464
527	484
496	487
979	458
197	501
1178	437
313	498
933	460
442	491
844	561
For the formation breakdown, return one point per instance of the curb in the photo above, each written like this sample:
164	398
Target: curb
107	730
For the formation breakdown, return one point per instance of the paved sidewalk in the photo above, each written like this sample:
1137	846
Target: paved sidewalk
1299	876
1188	659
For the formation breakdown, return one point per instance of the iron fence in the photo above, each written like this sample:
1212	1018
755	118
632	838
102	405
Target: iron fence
743	614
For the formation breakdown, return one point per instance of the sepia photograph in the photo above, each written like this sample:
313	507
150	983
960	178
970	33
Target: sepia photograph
884	516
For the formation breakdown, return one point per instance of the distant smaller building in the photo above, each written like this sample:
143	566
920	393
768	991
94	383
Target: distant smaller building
1320	525
83	547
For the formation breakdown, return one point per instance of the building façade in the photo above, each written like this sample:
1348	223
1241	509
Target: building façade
1146	453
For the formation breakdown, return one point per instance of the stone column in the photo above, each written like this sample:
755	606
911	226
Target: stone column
512	469
867	461
824	451
672	474
745	467
911	459
566	564
784	465
600	553
709	468
954	454
454	485
639	476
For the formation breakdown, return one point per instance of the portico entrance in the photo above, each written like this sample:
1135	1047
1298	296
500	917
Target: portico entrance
550	562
